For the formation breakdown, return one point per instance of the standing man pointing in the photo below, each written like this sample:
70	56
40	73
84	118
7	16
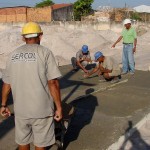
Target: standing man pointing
32	75
129	47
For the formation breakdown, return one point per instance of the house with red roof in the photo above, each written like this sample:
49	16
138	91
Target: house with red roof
62	12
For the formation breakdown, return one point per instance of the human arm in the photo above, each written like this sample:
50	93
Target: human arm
79	64
103	70
55	92
4	111
92	72
119	39
135	43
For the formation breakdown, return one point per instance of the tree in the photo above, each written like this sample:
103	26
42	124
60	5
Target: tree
82	8
136	16
45	3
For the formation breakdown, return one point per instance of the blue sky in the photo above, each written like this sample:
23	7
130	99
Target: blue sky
114	3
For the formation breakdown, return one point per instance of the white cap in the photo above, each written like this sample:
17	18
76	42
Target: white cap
31	35
126	21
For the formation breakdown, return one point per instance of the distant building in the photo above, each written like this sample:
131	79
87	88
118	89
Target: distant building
144	12
13	14
142	9
62	12
105	8
56	12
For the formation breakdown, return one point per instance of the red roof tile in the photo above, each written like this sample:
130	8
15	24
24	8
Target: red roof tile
58	6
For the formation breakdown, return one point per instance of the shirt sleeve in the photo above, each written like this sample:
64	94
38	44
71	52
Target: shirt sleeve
52	71
78	56
89	56
6	74
134	34
109	64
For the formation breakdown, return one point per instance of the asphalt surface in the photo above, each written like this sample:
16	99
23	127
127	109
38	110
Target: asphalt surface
104	111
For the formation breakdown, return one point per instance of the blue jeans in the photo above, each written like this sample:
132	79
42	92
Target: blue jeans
128	58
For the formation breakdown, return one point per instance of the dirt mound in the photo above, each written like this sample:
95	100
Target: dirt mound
65	42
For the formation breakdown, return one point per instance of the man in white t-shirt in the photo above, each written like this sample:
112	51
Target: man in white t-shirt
32	76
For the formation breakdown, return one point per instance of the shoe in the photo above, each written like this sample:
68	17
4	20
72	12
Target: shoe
131	73
123	73
119	77
102	79
75	70
115	80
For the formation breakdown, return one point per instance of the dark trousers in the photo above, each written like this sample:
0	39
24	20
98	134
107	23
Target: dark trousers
74	62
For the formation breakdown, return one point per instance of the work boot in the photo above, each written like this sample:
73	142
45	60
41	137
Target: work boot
102	79
75	70
116	80
124	73
119	77
131	73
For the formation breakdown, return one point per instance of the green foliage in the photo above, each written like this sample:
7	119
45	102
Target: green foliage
82	8
135	16
44	3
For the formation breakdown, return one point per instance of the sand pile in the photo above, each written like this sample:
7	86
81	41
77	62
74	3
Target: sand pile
65	42
9	40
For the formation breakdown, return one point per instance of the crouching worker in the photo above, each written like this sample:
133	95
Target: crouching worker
82	59
107	68
32	75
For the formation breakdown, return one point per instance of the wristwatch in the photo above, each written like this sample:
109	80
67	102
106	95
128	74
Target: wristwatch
4	106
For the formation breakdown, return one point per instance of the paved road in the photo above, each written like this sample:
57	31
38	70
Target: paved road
100	118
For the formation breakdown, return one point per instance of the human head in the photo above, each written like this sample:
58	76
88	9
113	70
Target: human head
85	49
32	33
127	23
99	56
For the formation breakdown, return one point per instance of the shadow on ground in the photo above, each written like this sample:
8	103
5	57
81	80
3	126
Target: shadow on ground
136	141
85	108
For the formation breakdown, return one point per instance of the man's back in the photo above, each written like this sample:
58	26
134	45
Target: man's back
28	70
110	63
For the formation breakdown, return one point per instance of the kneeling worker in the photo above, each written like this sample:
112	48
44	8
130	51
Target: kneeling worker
107	66
82	59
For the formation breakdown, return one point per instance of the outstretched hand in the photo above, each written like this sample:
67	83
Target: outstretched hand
86	71
86	75
113	46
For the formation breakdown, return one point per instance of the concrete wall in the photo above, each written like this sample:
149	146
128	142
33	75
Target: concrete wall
63	14
145	17
39	14
17	14
25	14
116	27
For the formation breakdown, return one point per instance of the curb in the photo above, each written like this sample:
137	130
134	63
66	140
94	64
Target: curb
118	144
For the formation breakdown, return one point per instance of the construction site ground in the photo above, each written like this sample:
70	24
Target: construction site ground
104	113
